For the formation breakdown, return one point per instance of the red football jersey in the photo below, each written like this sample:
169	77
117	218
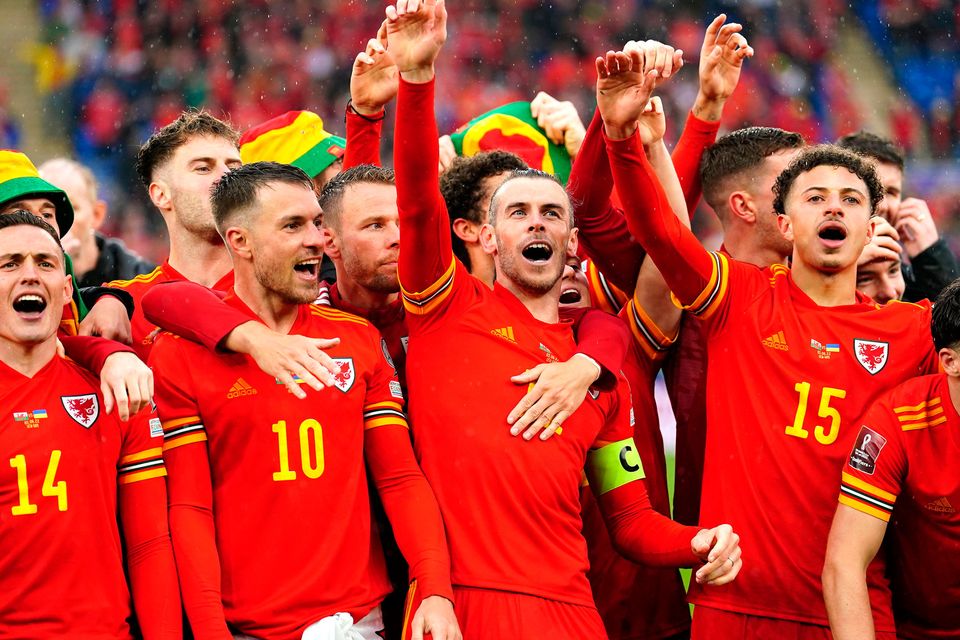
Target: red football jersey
143	330
65	462
290	503
390	322
637	602
907	452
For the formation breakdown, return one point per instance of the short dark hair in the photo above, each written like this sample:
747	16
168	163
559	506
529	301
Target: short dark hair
873	146
238	190
945	319
22	217
331	197
526	173
162	144
461	186
739	152
832	156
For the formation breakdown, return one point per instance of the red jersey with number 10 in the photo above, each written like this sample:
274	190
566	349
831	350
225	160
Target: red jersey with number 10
907	452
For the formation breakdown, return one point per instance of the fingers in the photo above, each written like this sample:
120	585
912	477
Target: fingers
710	37
530	375
725	541
526	410
448	152
555	426
122	401
541	100
287	380
61	351
107	393
417	627
546	412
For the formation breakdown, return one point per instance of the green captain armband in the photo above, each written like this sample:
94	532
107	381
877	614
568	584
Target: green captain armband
614	465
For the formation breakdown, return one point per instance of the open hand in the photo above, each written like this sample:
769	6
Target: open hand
374	80
416	31
623	91
721	60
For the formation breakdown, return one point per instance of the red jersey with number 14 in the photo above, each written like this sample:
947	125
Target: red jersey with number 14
907	452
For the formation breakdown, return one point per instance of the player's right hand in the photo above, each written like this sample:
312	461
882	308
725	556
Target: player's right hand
435	616
721	59
285	356
719	549
125	381
416	31
623	91
374	80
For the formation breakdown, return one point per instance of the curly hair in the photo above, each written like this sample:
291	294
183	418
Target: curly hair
829	155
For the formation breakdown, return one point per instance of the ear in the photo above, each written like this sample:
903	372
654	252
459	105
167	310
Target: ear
871	229
239	242
159	193
574	242
742	207
466	230
99	213
488	239
331	243
67	287
949	362
785	226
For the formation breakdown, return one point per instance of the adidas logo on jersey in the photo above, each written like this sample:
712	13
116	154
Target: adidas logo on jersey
941	505
240	389
777	341
505	332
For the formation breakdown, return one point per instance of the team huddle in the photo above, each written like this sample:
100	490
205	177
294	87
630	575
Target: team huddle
300	426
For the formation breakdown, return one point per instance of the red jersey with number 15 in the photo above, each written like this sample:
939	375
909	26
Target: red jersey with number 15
907	452
786	382
290	502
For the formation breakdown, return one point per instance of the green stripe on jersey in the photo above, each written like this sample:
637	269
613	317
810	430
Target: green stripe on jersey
614	465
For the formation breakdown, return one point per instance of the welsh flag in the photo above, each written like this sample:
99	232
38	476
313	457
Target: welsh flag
512	128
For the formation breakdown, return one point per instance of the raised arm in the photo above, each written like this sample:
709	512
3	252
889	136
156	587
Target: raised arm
416	32
373	84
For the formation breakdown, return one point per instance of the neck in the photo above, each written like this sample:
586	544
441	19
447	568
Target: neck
481	264
28	359
953	385
276	313
743	246
545	307
86	257
826	289
361	297
197	259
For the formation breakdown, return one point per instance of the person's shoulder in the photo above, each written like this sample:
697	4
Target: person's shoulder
69	372
326	321
918	403
906	309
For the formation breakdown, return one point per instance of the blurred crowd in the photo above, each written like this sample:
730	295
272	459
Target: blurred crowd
119	69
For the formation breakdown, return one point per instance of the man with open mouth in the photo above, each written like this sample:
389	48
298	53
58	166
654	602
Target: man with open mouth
72	471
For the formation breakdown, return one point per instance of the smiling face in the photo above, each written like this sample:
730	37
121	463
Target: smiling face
284	242
827	218
33	285
532	233
365	241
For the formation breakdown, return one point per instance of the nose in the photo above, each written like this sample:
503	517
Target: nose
887	291
393	235
313	237
537	222
834	205
29	271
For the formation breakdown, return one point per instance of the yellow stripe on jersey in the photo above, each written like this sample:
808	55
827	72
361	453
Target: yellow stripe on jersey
383	405
183	431
144	278
143	455
865	508
654	342
423	302
179	422
382	414
613	465
604	295
920	415
386	422
715	290
917	407
857	483
143	475
329	313
926	424
184	440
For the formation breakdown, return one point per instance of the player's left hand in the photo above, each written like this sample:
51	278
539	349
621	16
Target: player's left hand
108	319
721	60
126	382
416	31
916	226
560	120
719	549
374	81
555	391
435	616
623	91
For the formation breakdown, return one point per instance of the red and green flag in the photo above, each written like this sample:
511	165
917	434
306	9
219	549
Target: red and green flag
512	128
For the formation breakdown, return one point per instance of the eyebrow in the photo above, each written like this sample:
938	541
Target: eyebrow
843	190
20	256
524	205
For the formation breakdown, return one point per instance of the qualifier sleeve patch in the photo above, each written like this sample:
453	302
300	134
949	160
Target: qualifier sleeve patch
614	465
867	450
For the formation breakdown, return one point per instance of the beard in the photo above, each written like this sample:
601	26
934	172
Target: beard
537	284
371	278
195	216
279	279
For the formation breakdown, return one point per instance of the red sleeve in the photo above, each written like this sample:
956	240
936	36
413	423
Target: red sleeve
191	492
142	497
604	338
426	256
696	137
603	231
363	140
411	508
192	311
91	352
690	270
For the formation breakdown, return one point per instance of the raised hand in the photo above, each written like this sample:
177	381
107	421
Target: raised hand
374	80
623	91
918	231
560	120
416	31
652	122
884	245
656	55
721	60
